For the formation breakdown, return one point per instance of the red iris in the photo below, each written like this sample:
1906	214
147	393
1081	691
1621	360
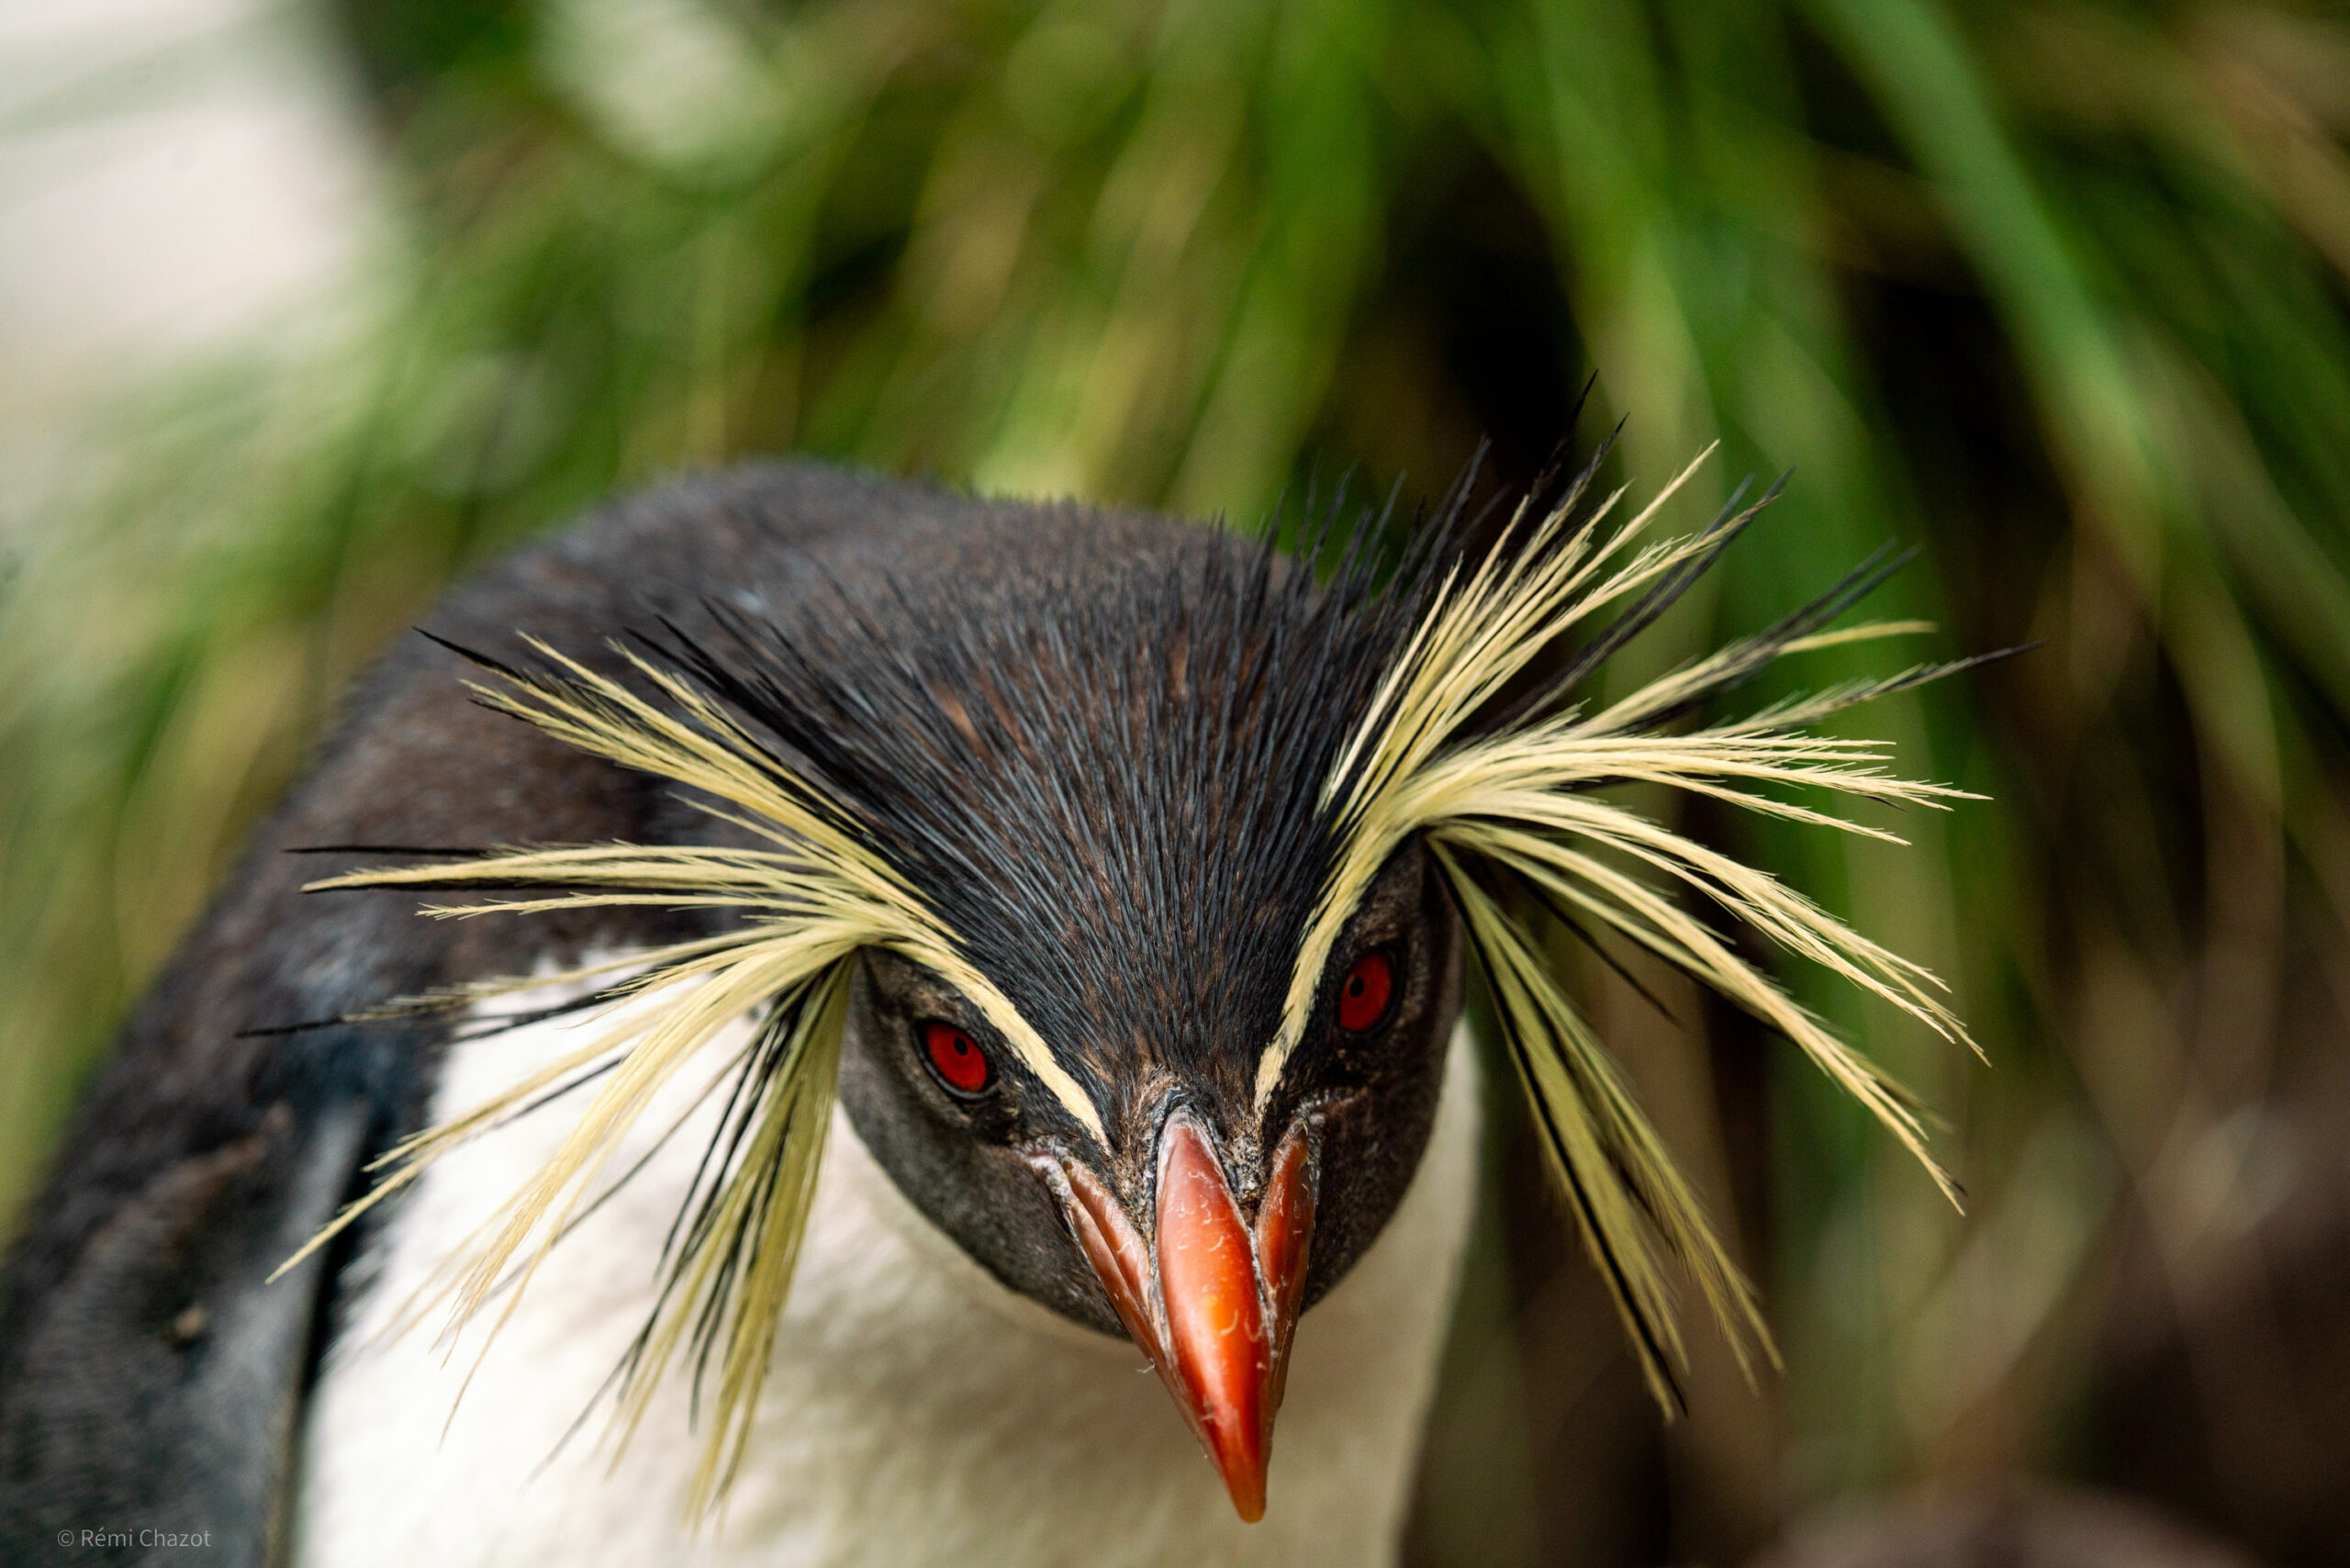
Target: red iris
956	1058
1370	987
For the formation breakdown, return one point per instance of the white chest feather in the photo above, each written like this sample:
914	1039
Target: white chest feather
917	1412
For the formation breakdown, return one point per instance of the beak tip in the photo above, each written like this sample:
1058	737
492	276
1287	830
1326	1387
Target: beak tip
1242	1465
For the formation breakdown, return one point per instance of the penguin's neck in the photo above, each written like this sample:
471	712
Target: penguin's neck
916	1411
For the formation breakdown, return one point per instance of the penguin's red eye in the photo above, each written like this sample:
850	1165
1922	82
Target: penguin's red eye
1370	987
956	1058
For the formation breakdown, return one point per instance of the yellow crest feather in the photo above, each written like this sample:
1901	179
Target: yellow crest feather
1515	799
812	902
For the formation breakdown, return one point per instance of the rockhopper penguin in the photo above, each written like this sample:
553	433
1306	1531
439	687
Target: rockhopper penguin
891	966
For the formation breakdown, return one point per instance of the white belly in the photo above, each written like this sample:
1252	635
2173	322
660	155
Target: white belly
917	1412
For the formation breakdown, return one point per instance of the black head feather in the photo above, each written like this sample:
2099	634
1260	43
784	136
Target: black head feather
1112	794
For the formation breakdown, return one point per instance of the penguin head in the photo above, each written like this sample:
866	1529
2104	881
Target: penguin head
1125	906
1109	785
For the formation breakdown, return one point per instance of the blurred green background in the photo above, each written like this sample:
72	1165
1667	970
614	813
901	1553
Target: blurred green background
2058	292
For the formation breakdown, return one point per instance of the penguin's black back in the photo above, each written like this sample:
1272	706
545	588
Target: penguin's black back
147	1374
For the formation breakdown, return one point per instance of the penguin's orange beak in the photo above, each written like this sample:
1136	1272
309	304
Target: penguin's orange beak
1215	1308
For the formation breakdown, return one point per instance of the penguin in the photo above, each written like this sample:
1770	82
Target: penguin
815	1019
